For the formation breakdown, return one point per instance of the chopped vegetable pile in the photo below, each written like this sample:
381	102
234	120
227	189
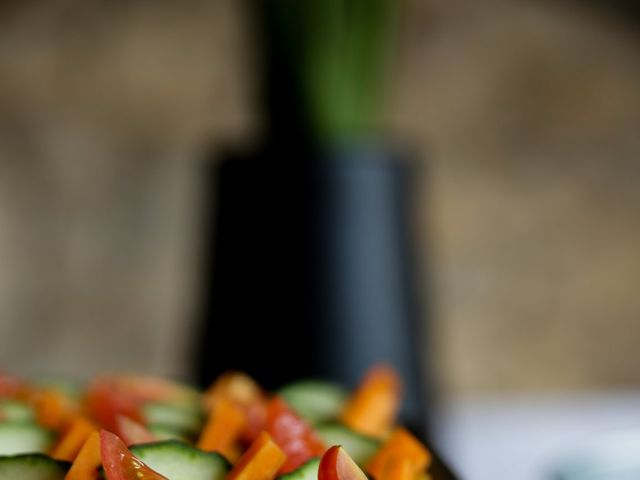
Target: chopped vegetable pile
132	427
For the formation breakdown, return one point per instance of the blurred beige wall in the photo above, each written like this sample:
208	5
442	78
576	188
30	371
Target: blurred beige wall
105	111
528	114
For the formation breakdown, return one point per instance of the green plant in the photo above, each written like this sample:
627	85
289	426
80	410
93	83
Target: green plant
337	51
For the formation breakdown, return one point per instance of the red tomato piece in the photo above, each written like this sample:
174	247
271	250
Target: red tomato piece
336	464
256	413
147	388
13	387
292	435
105	403
110	396
132	432
120	464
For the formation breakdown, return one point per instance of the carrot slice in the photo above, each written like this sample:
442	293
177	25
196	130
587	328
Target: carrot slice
400	445
75	435
88	460
261	461
371	410
223	427
52	409
244	392
235	386
399	469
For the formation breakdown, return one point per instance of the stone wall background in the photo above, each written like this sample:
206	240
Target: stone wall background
527	115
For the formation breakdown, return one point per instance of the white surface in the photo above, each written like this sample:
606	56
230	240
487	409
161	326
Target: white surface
522	438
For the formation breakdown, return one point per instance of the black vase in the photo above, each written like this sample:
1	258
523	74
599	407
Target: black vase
312	272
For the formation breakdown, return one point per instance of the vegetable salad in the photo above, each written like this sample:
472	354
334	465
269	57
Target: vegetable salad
134	427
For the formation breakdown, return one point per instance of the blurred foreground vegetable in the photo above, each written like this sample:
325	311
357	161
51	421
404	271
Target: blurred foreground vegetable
125	427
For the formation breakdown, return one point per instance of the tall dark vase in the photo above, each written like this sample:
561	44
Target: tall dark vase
312	272
365	306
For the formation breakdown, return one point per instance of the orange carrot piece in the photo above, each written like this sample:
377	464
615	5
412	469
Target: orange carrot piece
235	386
52	409
233	453
223	427
400	445
86	464
371	410
261	461
75	435
399	469
244	392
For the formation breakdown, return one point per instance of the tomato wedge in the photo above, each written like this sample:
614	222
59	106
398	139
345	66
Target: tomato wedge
132	432
256	413
108	397
148	388
105	402
336	464
120	464
292	434
13	387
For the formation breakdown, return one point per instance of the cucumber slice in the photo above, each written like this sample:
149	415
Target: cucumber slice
360	447
17	438
32	467
180	418
162	432
12	411
308	471
179	461
314	400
